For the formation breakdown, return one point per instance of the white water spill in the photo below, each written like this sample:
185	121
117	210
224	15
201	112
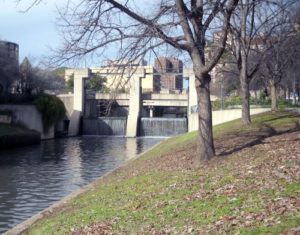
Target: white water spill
162	126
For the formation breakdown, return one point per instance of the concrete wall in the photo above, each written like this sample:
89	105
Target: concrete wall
117	77
28	116
222	116
67	99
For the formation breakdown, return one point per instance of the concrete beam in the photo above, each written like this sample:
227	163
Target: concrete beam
158	96
166	103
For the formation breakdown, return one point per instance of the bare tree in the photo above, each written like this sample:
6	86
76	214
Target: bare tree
251	28
282	56
134	29
33	78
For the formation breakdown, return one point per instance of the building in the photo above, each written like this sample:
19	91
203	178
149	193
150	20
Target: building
168	74
9	64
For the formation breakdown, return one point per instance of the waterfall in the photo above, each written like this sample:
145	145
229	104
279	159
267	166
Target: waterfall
162	126
104	126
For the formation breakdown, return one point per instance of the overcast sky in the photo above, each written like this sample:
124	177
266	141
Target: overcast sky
34	30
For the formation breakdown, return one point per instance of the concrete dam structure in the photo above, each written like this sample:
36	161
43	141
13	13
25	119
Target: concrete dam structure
135	113
131	114
158	115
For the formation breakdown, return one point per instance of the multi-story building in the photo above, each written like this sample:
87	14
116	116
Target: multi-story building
9	64
168	74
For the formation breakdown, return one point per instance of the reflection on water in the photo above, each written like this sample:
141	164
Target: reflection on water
33	178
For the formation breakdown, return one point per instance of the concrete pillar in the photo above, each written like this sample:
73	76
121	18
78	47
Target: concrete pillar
79	76
78	101
134	103
193	122
151	111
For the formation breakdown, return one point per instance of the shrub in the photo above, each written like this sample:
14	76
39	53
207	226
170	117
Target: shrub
262	100
233	101
263	95
216	105
96	82
282	104
70	83
51	108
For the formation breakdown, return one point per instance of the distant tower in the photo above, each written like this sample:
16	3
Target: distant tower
9	64
169	76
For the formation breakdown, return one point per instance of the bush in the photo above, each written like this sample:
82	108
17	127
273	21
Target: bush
70	83
233	101
262	100
216	105
96	82
282	103
51	108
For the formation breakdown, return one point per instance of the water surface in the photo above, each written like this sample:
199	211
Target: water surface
33	178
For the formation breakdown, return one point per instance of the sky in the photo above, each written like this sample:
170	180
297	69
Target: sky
34	30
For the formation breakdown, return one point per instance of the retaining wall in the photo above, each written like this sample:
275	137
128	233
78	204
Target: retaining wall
28	116
222	116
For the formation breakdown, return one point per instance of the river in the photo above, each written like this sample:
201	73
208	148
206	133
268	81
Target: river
34	177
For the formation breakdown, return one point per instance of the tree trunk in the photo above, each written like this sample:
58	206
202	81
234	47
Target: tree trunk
243	69
273	96
206	143
246	119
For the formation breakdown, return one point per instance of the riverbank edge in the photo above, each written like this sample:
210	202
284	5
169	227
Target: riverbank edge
16	136
23	226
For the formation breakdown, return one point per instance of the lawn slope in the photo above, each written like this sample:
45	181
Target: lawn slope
250	187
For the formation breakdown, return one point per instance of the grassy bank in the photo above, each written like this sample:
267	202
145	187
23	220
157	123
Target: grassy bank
251	187
13	136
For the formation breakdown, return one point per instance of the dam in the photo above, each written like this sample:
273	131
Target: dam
130	114
136	112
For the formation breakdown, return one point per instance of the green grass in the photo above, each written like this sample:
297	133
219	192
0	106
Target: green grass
173	144
284	223
293	189
179	199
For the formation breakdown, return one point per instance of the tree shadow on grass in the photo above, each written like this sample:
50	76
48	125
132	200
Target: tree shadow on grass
238	141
